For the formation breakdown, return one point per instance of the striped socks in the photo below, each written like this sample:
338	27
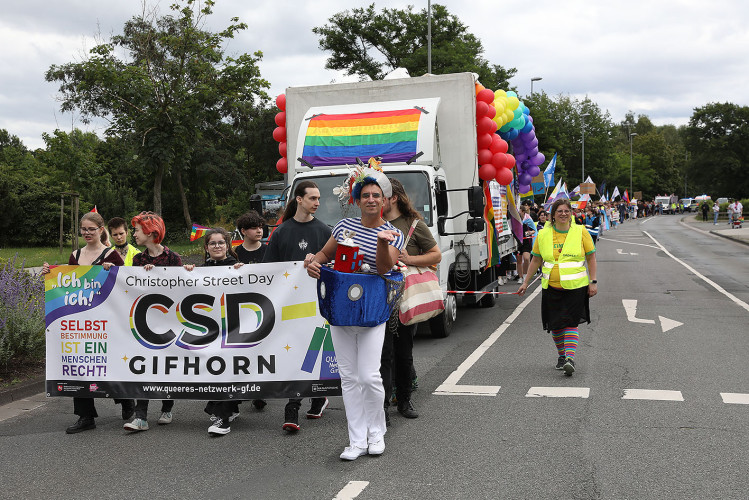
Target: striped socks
566	341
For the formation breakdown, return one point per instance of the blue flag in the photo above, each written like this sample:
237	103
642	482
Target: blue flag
549	172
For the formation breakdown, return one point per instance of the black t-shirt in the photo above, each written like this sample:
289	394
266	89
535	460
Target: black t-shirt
293	240
228	261
250	256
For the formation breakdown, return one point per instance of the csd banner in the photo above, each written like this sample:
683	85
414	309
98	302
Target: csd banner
213	333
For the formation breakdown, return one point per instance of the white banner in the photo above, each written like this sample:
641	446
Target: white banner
213	333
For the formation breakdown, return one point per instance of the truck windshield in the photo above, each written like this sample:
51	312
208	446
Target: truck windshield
331	210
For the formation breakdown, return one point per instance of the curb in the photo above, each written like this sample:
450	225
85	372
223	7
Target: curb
22	390
737	240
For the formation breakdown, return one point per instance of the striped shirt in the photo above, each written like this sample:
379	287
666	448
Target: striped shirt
366	238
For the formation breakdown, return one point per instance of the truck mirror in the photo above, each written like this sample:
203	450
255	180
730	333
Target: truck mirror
256	203
441	225
442	203
475	225
475	201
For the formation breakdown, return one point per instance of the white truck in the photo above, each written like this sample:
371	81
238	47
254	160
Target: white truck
433	155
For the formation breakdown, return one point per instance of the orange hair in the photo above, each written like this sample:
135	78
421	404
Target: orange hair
151	223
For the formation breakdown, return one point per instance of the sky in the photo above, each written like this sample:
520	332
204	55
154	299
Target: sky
660	58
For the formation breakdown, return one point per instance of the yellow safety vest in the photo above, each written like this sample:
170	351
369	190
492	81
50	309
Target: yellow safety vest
131	252
571	262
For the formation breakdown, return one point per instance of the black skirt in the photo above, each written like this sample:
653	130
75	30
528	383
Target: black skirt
561	308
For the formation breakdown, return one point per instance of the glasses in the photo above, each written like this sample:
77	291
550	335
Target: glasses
217	244
87	230
563	212
376	196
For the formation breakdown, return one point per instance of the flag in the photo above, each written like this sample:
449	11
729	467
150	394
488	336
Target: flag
491	229
626	196
94	210
198	232
603	197
549	172
603	188
583	201
516	222
528	195
575	191
615	193
556	190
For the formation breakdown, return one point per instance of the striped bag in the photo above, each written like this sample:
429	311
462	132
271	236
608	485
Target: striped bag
422	296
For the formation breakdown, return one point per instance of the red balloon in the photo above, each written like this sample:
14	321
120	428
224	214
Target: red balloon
510	161
485	95
484	125
499	145
282	149
481	109
484	140
487	172
499	160
485	156
281	119
282	165
504	176
279	134
491	112
281	102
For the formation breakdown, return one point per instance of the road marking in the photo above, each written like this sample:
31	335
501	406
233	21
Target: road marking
735	398
622	252
630	307
450	386
558	392
654	395
630	243
668	324
710	282
351	490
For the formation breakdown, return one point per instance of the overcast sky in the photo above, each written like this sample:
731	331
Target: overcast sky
661	58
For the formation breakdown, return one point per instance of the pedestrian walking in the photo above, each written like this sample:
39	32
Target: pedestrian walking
716	211
563	248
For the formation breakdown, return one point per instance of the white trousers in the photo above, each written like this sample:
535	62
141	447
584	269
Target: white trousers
358	350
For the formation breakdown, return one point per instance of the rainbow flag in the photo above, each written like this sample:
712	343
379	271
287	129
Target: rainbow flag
338	139
198	232
491	228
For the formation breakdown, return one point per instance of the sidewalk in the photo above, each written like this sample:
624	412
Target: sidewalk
722	229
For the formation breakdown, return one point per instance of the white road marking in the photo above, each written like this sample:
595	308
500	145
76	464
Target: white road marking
351	490
668	324
622	252
710	282
630	307
630	243
558	392
651	394
450	385
735	398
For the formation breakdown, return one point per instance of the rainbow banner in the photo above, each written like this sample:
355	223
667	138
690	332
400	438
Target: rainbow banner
198	232
395	131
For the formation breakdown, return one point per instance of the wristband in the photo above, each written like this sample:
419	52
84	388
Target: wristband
595	282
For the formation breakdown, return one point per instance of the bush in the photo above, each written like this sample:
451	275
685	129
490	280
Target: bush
21	314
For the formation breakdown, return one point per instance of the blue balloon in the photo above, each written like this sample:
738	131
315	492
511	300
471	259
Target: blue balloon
528	127
513	134
504	135
512	93
526	110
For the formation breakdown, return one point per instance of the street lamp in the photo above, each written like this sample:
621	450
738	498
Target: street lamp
582	116
534	79
631	140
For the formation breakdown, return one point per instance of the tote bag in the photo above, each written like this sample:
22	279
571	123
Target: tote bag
422	296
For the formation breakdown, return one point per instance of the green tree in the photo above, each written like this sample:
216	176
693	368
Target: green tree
176	88
370	44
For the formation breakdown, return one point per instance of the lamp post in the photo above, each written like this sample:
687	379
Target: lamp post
631	140
534	79
582	116
429	37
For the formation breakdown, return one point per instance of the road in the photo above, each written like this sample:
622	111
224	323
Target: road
658	408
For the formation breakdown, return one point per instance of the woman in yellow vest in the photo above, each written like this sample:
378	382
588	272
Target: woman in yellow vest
563	247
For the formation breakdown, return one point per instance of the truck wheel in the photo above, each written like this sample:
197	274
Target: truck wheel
489	299
442	325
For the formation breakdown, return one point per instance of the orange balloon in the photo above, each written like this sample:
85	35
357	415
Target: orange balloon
479	88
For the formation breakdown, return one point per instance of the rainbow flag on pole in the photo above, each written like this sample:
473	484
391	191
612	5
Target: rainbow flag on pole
197	232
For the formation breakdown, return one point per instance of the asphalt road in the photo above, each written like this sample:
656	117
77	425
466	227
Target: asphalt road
534	434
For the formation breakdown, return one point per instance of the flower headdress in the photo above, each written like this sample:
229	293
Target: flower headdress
352	186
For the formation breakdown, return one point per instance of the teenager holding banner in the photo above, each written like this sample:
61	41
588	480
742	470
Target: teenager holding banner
149	231
359	348
95	253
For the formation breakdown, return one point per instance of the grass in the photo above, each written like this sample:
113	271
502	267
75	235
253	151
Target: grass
36	256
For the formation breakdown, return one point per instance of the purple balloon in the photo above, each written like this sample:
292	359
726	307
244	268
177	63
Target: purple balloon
537	160
520	157
524	188
533	143
524	178
532	152
533	170
531	135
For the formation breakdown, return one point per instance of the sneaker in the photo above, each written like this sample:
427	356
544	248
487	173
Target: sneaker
353	452
82	424
561	360
377	448
128	409
233	416
406	408
138	424
291	422
219	428
165	418
213	418
259	404
569	367
415	383
318	406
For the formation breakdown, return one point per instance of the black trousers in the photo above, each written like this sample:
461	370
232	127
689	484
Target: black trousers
397	361
222	409
85	407
297	402
141	407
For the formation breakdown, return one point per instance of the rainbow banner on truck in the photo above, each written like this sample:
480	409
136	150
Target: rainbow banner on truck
210	334
395	131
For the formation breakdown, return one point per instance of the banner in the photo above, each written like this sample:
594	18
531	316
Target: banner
499	204
213	333
587	188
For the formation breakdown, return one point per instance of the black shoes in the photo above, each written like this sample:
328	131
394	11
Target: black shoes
259	404
317	407
560	362
83	424
406	408
291	419
569	367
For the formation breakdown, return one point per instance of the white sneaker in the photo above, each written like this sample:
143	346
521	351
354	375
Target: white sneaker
353	452
165	418
219	428
233	416
138	424
377	448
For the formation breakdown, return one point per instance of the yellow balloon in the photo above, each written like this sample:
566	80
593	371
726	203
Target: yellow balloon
509	115
499	94
498	120
499	105
513	102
